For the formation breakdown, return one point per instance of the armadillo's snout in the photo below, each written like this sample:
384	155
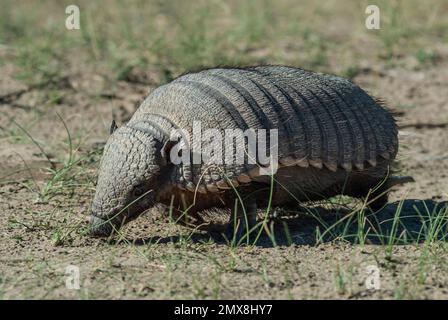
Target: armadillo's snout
100	227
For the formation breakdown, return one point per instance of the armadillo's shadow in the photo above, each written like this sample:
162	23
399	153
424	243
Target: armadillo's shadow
405	222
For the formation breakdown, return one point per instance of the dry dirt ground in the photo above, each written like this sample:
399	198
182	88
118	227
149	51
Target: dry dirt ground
51	134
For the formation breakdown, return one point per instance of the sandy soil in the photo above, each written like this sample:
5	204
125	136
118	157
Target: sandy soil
41	236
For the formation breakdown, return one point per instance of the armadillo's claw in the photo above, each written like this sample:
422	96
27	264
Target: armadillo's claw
100	227
242	225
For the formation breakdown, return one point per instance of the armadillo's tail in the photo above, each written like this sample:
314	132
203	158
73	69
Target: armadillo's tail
399	180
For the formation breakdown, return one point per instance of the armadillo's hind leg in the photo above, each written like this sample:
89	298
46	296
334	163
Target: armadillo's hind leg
372	190
378	194
243	221
377	197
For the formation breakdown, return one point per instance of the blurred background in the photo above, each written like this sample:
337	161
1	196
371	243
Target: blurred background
124	46
170	37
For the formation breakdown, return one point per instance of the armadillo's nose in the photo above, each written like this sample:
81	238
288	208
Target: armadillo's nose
100	227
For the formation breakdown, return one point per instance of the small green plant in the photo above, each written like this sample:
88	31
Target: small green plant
342	280
427	56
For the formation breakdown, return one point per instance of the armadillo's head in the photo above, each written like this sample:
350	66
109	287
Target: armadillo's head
128	179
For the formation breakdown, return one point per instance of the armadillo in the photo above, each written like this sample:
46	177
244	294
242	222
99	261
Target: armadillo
333	138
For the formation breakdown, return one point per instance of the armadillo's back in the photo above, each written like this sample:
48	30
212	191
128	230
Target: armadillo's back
321	119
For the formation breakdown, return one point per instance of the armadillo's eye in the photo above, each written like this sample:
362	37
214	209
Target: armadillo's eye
138	191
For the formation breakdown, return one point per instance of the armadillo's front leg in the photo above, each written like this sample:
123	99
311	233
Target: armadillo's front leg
243	221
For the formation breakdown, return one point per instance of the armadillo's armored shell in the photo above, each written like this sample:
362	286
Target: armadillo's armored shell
322	120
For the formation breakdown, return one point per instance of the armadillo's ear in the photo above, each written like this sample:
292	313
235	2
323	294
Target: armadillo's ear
113	127
166	150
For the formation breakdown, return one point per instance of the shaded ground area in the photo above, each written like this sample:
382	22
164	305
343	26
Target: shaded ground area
59	91
400	223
